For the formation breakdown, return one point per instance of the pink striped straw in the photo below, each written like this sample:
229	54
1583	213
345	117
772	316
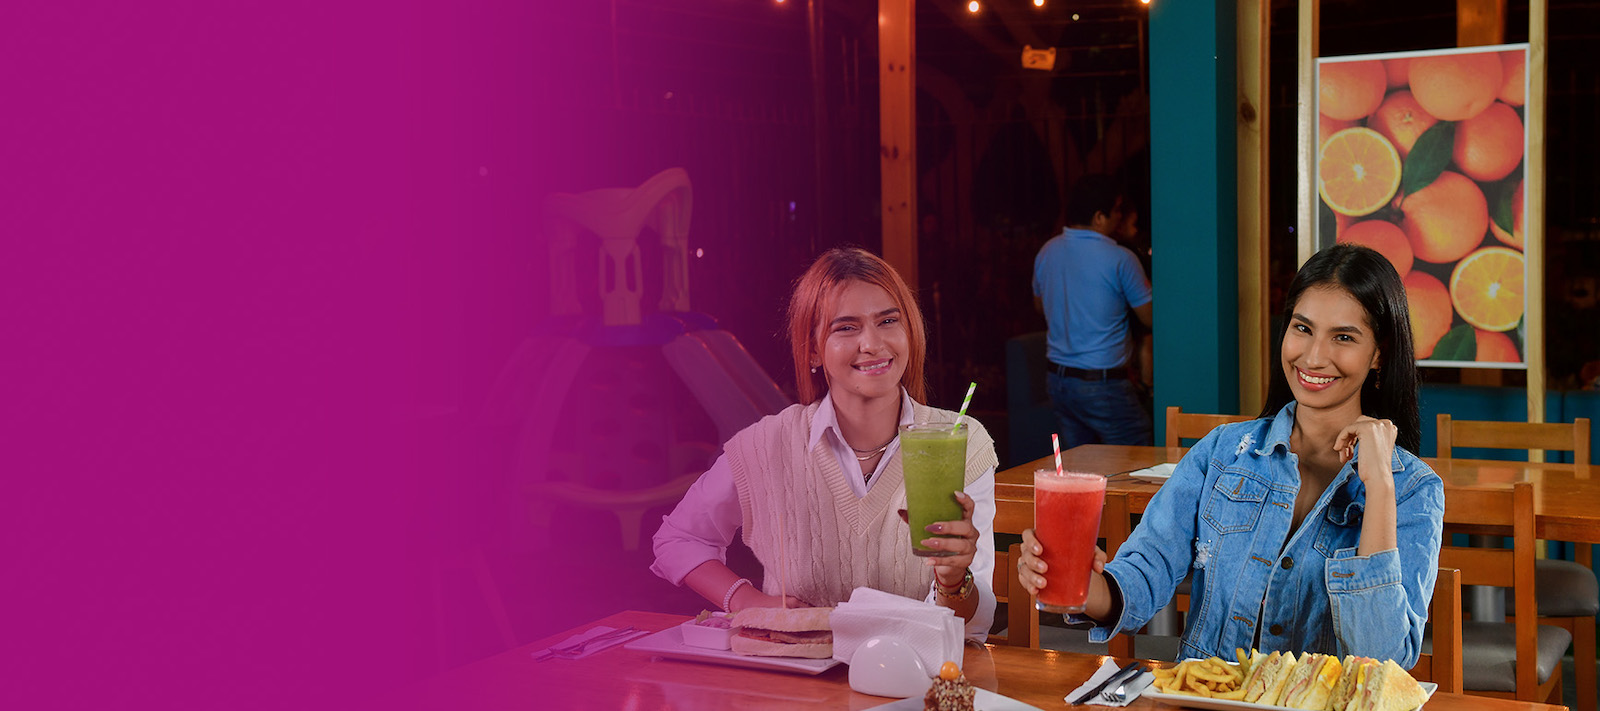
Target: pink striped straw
1055	441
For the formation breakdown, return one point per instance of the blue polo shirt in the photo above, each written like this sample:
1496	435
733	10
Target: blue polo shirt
1087	283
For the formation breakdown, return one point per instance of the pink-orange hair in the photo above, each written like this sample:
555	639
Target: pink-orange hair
812	301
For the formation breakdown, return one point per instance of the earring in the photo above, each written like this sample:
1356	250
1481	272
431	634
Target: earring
814	369
1377	378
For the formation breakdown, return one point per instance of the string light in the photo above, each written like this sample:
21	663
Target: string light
972	6
1038	3
1074	17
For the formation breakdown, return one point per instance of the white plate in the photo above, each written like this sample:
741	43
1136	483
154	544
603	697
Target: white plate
1200	702
669	643
982	700
1158	473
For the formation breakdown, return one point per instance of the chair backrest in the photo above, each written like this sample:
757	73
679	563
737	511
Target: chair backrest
1022	618
1560	436
1443	665
1500	511
1194	425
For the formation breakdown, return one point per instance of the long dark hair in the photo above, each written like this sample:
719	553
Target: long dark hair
1391	393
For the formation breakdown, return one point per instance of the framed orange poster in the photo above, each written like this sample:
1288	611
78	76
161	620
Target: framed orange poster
1420	156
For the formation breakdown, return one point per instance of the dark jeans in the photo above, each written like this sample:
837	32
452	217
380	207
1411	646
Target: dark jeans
1097	411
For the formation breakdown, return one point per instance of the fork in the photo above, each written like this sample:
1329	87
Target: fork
576	648
1119	694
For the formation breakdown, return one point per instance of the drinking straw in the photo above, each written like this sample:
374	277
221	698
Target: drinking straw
1055	441
964	403
783	566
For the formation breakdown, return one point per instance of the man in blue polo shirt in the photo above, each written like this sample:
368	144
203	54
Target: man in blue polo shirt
1086	284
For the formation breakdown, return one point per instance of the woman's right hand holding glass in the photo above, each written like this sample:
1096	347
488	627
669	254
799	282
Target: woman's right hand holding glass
1031	566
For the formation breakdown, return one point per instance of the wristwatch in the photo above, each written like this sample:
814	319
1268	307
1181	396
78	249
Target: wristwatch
960	592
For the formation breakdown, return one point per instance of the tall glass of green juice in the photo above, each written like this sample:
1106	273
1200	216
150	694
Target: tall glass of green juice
933	457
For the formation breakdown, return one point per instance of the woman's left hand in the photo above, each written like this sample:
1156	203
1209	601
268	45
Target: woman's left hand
1376	438
959	538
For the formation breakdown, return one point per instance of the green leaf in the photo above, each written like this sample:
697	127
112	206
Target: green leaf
1428	157
1500	209
1458	344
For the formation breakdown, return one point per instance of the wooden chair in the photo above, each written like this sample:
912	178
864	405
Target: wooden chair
1568	594
1442	666
1559	436
1514	660
1194	425
1022	618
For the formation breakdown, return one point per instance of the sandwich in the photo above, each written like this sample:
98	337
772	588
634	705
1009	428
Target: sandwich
1387	687
1267	678
783	632
1311	682
1350	683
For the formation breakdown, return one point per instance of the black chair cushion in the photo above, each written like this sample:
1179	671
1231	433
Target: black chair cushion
1564	589
1489	654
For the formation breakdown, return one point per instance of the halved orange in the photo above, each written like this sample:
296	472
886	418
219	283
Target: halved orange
1486	288
1358	170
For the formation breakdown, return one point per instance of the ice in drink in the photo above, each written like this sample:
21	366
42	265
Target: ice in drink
1066	520
933	458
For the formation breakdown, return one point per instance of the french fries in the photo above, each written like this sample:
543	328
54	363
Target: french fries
1211	678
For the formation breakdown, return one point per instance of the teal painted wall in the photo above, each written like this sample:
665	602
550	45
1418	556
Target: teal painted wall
1194	221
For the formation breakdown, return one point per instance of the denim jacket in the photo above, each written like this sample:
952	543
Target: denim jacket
1224	518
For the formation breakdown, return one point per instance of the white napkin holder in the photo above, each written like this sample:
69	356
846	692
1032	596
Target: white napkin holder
886	666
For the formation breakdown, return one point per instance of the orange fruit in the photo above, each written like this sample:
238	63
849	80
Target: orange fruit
1513	65
1486	288
1445	220
1456	87
1342	223
1489	146
1385	238
1398	72
1401	120
1326	127
1495	347
1514	238
1351	90
1430	311
1358	170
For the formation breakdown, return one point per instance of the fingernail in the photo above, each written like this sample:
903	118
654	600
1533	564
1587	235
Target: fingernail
936	528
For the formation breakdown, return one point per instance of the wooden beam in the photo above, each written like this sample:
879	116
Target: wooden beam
1254	36
1480	22
897	133
1533	187
1306	162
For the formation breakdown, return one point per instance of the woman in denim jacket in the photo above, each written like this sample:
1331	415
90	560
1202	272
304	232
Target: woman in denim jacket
1307	530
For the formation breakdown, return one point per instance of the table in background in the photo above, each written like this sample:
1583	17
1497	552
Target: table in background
1566	502
619	678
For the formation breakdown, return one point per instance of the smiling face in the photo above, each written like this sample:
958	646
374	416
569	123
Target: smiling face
1328	349
864	343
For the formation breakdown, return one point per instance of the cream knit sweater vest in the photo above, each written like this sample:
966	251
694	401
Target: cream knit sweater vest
833	542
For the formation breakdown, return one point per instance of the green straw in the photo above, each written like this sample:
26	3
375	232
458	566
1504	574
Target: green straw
965	403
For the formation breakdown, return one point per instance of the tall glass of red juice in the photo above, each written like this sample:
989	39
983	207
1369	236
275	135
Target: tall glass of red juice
1066	520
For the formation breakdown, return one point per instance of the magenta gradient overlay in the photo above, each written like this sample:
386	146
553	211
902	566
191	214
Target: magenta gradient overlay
250	254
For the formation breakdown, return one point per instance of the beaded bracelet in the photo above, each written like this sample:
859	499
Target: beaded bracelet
960	592
727	600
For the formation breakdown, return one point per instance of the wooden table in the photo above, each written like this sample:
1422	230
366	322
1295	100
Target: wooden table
618	678
1566	501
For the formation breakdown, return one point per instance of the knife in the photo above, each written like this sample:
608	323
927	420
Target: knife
1126	672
